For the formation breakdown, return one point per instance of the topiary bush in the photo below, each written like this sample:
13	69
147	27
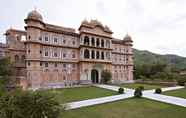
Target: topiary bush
158	91
138	93
120	90
141	87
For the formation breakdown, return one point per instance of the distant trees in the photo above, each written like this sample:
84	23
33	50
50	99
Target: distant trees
157	70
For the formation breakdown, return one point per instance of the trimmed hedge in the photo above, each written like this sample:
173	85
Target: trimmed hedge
158	91
120	90
138	93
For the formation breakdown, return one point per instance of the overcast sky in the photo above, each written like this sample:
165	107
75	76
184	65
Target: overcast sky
155	25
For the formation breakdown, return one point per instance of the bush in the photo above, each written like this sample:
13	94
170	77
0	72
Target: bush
21	104
181	82
158	91
106	76
141	87
138	93
120	90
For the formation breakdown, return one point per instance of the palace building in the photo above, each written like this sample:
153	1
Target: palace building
50	56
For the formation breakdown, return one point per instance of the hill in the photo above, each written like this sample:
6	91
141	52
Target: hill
147	57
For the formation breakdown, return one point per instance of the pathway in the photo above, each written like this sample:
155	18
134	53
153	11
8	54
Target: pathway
90	102
128	94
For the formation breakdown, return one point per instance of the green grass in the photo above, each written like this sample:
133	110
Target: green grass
136	85
177	93
129	108
80	93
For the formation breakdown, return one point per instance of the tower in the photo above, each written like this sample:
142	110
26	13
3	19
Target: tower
34	26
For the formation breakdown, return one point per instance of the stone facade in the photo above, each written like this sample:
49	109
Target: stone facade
50	56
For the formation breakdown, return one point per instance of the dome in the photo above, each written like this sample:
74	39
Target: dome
127	38
34	15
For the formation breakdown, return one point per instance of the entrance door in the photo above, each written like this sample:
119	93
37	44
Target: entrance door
94	76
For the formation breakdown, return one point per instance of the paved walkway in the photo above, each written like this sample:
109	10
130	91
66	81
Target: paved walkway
165	89
166	99
113	88
90	102
128	94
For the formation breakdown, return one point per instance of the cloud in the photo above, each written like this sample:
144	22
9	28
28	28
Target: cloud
155	25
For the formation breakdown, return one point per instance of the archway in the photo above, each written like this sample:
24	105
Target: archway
94	76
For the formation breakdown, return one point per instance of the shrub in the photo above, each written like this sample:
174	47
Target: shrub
106	76
181	82
21	104
158	91
138	93
141	87
120	90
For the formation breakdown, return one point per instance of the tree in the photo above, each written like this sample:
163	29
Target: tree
25	104
6	70
106	76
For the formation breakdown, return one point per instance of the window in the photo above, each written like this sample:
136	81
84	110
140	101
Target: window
40	38
40	63
55	40
28	63
93	54
108	44
86	40
93	41
73	65
40	52
55	65
97	42
102	43
108	55
55	54
64	65
29	37
64	41
102	55
97	54
64	55
46	53
28	51
46	38
86	54
73	42
73	55
23	58
46	64
16	58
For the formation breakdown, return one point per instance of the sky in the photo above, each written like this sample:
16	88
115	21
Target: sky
155	25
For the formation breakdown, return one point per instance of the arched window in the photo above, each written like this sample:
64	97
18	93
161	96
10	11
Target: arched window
108	44
23	58
86	54
97	54
107	55
102	55
86	40
16	58
97	42
93	54
93	41
102	43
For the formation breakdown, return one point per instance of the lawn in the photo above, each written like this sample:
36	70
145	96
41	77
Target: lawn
129	108
177	93
80	93
136	85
